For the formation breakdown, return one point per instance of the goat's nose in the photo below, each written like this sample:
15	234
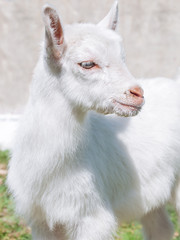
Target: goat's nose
136	94
137	91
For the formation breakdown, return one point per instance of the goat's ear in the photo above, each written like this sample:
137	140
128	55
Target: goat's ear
111	19
54	38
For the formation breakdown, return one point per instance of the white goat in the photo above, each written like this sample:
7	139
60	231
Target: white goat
76	174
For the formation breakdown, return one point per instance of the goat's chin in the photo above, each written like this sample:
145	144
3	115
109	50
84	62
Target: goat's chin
120	110
126	111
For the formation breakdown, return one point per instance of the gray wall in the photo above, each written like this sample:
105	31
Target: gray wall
150	29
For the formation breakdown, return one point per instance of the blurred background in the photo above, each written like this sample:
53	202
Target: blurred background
150	30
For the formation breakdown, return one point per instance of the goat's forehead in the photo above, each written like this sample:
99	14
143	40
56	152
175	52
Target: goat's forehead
89	35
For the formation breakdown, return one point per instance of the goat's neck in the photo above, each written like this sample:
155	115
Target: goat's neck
65	126
72	126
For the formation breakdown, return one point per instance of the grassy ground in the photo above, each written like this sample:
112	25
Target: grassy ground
11	227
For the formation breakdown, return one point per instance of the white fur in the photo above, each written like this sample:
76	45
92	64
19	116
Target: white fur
76	174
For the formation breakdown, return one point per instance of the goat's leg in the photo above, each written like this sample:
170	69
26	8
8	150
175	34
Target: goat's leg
100	226
157	225
42	232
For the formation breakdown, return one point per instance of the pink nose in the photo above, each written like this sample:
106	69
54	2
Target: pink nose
137	91
138	94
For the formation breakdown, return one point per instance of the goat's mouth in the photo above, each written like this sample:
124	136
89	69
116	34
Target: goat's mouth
125	109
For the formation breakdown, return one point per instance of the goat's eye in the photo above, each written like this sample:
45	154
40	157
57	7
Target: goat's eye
87	64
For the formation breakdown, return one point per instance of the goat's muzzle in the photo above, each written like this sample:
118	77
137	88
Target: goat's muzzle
137	95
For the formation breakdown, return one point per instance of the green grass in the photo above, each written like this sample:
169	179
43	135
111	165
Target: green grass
11	227
4	157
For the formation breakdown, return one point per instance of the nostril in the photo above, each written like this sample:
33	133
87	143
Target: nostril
137	91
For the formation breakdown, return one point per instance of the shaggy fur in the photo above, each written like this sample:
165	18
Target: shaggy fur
76	174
